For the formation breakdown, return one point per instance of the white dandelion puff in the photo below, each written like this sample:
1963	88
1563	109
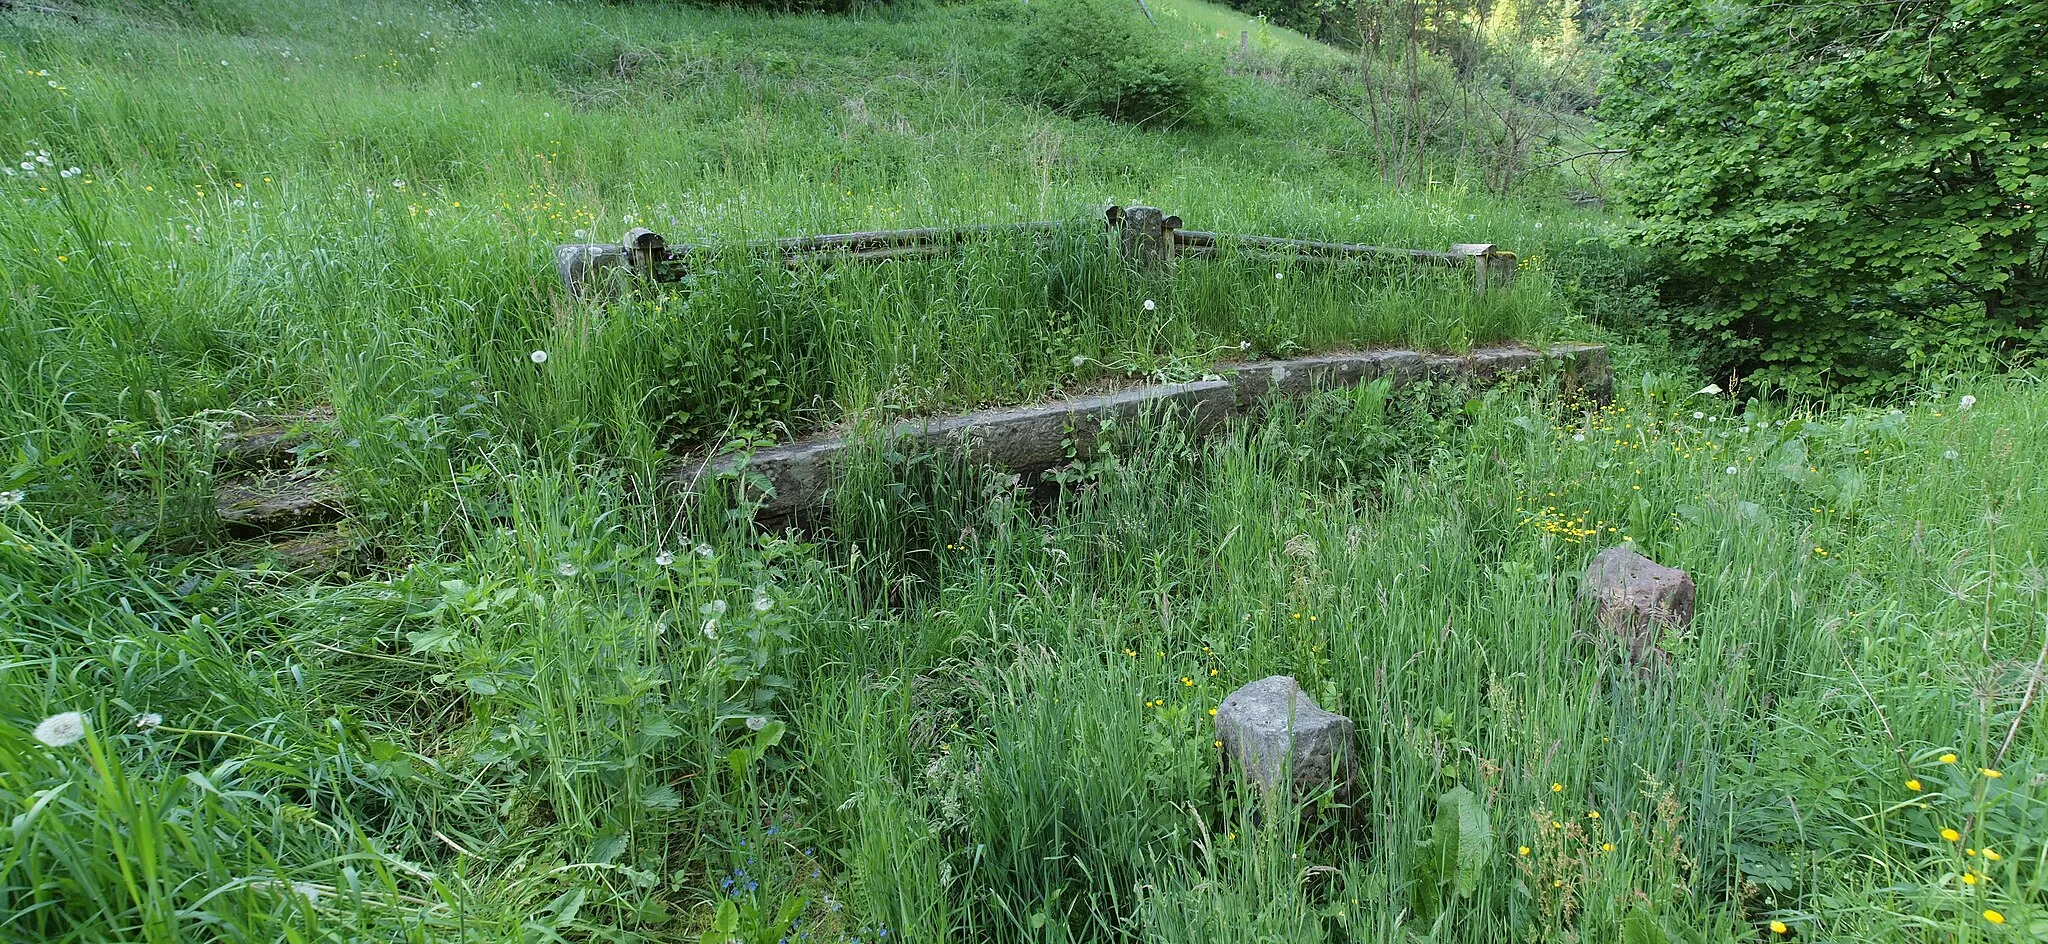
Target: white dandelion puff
763	602
476	85
1244	345
1151	305
1578	437
538	357
711	630
1277	276
705	551
149	721
664	558
714	608
757	722
398	184
62	729
1951	455
11	499
567	569
1732	470
1968	401
1698	415
1080	359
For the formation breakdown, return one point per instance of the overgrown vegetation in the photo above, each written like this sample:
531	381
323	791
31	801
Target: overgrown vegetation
1848	192
552	702
1094	56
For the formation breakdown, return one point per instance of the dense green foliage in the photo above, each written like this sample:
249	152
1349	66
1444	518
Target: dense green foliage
1100	57
1843	189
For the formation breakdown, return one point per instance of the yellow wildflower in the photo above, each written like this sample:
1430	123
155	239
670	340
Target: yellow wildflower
1778	927
1950	834
1993	916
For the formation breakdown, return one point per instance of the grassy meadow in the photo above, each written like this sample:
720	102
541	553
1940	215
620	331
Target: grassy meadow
557	706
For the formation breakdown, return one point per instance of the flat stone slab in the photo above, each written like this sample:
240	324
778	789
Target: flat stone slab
1036	438
315	554
272	442
1271	730
281	502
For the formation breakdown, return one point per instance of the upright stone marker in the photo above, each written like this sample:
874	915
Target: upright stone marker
1272	728
1145	234
1634	598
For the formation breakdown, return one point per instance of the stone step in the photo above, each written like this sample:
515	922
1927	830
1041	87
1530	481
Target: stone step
281	501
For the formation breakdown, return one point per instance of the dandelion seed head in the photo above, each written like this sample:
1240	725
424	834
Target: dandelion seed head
1578	437
61	730
1951	455
1967	402
149	721
1080	359
11	499
757	722
664	558
714	608
538	357
567	569
704	551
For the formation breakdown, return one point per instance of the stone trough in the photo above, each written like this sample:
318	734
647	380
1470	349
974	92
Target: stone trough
1036	438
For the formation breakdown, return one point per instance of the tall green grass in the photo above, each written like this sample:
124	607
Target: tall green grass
565	707
973	716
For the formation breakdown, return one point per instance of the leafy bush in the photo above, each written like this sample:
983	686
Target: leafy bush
1089	56
1843	192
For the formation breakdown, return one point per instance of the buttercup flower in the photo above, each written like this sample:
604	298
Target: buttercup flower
1949	833
1778	927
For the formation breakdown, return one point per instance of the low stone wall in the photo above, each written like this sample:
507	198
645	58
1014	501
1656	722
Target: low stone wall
1035	438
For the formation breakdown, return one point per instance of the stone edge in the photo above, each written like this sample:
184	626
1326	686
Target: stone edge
1036	438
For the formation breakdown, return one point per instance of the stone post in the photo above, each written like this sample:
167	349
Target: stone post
644	249
1145	236
1491	268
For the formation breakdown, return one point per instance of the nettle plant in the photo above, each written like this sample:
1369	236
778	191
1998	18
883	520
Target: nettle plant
1844	191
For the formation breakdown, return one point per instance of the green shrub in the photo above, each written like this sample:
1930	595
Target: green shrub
1847	194
1091	56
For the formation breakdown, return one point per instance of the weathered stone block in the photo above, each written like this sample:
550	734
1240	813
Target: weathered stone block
1634	598
1271	728
586	267
280	502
